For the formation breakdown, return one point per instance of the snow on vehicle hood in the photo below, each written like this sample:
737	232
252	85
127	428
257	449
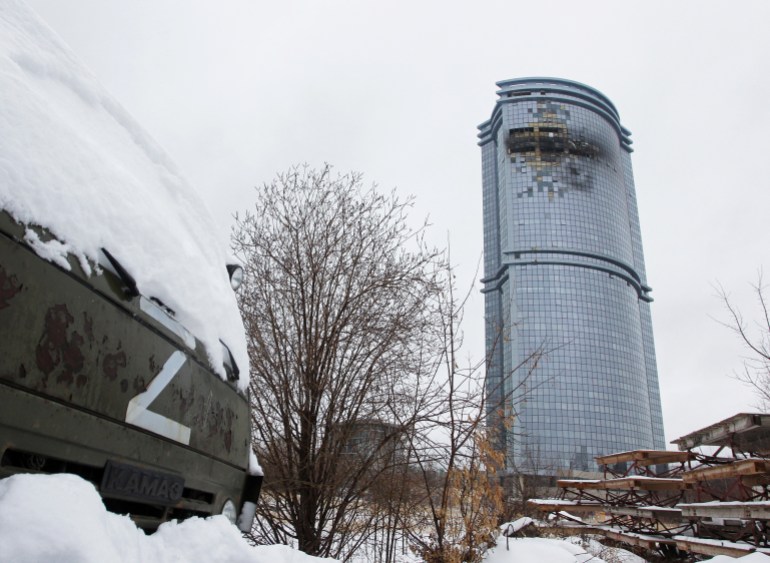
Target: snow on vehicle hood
74	161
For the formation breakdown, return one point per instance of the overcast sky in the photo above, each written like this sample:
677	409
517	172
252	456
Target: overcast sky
237	90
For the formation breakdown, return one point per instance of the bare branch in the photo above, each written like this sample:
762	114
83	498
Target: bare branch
756	365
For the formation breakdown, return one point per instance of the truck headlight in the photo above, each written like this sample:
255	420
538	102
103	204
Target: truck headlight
236	275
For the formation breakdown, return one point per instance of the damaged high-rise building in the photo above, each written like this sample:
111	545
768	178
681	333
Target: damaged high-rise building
564	272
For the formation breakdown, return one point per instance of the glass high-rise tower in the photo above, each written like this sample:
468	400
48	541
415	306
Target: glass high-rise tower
564	272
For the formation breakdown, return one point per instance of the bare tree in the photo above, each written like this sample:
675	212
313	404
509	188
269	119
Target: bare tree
454	450
756	338
340	308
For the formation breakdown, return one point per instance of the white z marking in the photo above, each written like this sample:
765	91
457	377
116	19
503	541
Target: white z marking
138	415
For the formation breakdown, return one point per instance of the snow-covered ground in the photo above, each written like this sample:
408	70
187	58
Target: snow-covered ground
568	550
61	518
74	161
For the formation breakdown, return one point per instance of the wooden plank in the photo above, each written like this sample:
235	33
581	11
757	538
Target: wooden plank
740	510
756	511
701	546
659	513
645	457
714	547
640	540
712	512
740	468
581	484
567	506
646	484
743	429
625	484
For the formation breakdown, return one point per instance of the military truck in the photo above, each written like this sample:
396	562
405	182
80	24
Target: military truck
101	381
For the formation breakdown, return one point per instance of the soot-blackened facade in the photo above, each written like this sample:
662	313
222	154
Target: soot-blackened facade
564	272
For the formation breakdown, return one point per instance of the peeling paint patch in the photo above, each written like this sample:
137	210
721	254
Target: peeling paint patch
215	421
184	397
9	287
59	347
111	364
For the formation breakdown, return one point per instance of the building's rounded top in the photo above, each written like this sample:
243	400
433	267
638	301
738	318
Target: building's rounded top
558	90
554	85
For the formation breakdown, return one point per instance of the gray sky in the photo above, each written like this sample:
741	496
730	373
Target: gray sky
237	90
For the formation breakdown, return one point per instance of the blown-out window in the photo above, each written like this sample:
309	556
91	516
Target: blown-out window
547	140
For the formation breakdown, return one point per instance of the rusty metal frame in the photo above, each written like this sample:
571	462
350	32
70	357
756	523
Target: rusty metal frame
646	463
636	483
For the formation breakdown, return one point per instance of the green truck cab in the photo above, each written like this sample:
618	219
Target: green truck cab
103	382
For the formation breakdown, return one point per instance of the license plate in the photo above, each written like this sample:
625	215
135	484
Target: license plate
129	482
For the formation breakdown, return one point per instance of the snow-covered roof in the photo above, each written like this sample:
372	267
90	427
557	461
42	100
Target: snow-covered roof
74	161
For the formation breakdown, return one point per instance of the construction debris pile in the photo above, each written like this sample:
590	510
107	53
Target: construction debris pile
711	497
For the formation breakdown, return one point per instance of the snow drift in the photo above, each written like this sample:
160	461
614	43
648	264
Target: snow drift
61	518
